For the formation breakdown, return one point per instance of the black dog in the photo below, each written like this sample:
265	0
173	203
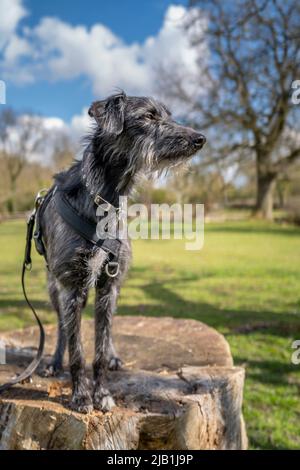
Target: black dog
132	135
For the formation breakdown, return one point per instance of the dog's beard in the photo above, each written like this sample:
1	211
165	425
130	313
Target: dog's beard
175	163
144	161
164	167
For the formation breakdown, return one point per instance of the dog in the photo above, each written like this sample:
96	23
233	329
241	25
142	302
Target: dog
130	136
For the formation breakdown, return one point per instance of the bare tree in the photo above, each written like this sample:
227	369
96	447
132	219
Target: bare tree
254	56
20	138
63	152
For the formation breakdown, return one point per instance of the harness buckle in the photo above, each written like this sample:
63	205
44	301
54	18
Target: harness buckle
40	197
115	268
99	200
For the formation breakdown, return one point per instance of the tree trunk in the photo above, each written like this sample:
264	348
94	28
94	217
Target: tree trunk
282	189
163	403
266	182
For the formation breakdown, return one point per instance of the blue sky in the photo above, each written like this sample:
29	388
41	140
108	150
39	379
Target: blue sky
133	20
64	88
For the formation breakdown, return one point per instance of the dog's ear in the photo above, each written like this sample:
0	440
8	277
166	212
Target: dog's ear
109	113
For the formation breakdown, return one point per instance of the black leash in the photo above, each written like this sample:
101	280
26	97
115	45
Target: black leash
31	368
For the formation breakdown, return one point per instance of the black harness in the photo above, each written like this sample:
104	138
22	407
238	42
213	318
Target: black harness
86	229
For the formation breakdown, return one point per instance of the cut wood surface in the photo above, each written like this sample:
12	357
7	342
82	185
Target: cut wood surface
178	389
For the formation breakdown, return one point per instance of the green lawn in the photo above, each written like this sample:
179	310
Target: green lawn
245	282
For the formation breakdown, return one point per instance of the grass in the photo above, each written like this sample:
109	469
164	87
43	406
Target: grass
244	282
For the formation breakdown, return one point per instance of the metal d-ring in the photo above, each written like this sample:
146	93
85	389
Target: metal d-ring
112	264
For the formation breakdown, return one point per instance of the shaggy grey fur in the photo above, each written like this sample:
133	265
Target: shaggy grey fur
131	135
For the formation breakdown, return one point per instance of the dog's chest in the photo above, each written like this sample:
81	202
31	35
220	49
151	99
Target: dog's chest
95	265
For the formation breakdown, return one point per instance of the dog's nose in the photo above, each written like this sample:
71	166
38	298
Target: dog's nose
198	139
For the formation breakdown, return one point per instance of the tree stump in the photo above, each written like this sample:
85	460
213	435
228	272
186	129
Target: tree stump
178	389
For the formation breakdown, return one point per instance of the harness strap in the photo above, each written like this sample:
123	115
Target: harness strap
83	226
41	204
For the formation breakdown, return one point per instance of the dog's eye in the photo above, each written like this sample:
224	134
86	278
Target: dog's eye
150	116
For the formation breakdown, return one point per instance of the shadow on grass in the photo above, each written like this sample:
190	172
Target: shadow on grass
21	304
267	372
169	303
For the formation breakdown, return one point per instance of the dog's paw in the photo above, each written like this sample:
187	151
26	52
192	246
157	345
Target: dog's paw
103	401
52	370
115	363
82	403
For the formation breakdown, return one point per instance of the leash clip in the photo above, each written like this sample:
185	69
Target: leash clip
112	268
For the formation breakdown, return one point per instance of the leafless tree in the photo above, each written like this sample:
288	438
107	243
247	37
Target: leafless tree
254	57
63	152
20	138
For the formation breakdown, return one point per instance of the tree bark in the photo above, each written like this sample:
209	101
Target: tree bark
266	181
162	403
197	408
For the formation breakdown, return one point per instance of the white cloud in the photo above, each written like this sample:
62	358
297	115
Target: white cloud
56	50
171	46
55	129
53	123
80	124
12	11
16	47
66	52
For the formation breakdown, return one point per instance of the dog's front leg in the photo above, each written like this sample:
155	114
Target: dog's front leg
71	302
105	304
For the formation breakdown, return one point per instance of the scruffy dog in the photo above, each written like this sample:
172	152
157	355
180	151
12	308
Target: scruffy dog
132	135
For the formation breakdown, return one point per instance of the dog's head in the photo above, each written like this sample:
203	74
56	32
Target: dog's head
144	128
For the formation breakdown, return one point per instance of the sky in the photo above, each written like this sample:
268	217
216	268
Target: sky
56	57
